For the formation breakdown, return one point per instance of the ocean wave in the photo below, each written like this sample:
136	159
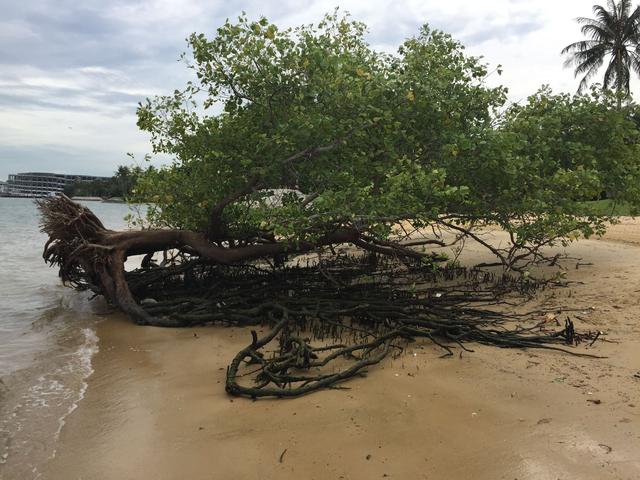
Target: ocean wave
85	355
37	402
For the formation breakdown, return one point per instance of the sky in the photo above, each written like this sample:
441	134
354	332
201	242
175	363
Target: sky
72	72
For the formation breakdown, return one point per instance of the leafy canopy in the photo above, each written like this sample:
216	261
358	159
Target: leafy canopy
364	139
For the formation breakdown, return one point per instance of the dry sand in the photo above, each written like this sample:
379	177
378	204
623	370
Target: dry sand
156	408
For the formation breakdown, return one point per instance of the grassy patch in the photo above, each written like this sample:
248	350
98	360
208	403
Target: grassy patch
607	207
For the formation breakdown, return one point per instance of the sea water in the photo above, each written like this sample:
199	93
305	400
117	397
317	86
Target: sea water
47	339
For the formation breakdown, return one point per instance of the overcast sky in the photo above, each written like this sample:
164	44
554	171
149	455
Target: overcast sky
72	72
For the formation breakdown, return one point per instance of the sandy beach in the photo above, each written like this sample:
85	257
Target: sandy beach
155	406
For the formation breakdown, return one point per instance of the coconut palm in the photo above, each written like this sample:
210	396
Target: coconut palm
613	35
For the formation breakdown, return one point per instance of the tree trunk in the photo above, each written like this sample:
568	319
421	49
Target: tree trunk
90	256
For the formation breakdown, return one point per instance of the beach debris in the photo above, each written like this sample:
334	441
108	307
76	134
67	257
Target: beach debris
595	401
542	421
368	457
280	460
607	449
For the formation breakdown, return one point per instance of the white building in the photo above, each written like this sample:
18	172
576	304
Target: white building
37	184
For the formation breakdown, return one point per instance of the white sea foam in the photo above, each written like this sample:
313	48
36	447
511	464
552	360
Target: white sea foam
47	341
84	355
37	414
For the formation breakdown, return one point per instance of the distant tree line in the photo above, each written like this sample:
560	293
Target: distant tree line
120	185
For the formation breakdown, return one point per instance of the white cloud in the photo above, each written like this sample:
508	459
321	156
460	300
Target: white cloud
72	73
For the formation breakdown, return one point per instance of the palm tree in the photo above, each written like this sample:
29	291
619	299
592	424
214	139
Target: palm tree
614	33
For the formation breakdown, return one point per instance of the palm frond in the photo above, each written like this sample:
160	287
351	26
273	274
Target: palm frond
579	47
609	74
596	33
635	62
589	68
632	26
603	15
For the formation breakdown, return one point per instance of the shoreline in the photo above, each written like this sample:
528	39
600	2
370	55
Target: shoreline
155	406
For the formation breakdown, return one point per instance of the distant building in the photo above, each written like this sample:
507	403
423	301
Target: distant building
37	184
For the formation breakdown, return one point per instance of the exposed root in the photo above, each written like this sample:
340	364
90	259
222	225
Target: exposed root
329	321
329	324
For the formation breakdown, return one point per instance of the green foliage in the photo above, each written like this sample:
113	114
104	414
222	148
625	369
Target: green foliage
120	185
608	208
535	172
375	139
263	94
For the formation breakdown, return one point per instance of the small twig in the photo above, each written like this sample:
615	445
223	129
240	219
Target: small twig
282	455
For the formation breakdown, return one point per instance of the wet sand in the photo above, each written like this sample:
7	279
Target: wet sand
156	407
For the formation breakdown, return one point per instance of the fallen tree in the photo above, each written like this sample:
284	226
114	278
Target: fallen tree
317	143
360	308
